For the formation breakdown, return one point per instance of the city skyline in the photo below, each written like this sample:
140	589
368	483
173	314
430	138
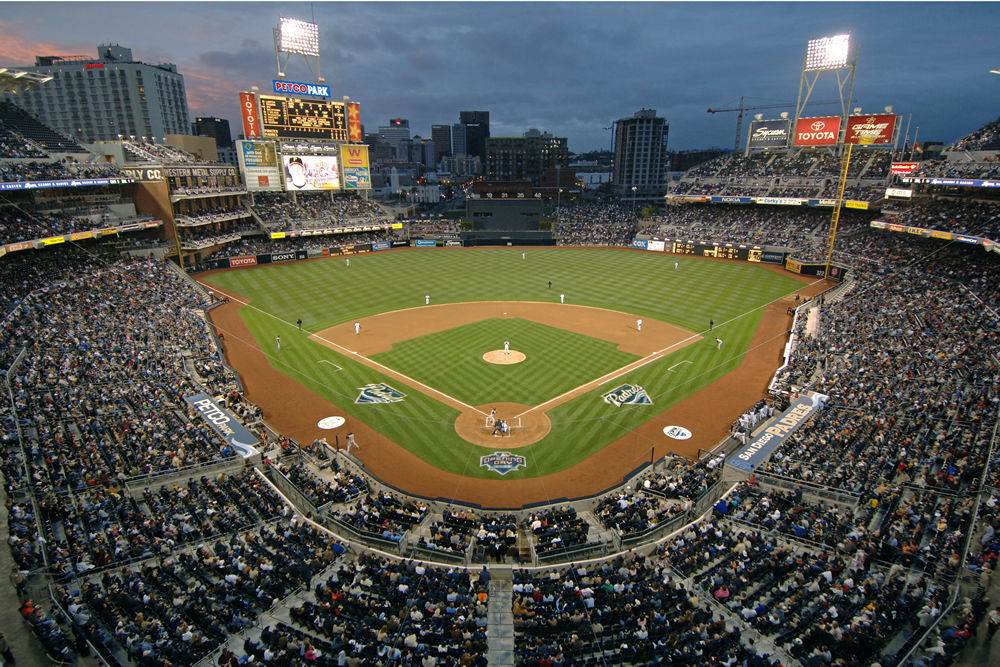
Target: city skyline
570	69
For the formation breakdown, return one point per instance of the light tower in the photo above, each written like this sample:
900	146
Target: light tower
301	37
835	54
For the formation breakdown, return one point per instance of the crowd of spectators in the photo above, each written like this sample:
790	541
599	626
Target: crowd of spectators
959	216
56	170
987	135
342	488
636	513
597	224
381	515
14	146
282	212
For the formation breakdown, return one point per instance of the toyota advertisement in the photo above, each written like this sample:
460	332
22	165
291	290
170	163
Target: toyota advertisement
769	134
876	129
817	131
311	172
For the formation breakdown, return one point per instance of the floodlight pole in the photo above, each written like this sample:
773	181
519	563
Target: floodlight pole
276	33
805	83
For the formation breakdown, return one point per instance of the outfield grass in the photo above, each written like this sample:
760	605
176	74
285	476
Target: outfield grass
325	293
452	361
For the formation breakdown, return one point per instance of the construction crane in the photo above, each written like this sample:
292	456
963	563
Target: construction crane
741	109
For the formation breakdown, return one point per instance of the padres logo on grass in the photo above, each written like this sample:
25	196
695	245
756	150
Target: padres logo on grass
627	394
379	393
502	462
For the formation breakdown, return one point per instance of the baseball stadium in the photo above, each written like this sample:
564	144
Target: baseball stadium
270	413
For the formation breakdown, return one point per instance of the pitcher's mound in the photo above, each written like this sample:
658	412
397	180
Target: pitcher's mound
498	357
530	428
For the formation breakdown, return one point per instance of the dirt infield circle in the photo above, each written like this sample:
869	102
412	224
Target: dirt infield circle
504	358
526	428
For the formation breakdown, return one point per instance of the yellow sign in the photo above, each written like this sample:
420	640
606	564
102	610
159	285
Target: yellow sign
397	225
941	235
81	235
914	230
863	205
792	265
277	235
54	240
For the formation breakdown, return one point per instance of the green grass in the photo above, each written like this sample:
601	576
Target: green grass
452	361
327	292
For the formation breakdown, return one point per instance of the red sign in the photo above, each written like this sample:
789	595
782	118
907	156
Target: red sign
242	261
248	111
903	168
95	66
354	123
875	129
817	131
353	157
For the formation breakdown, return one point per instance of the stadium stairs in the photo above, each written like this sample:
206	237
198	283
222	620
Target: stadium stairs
500	618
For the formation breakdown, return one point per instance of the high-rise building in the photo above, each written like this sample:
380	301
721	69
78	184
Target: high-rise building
477	132
430	153
441	135
95	99
217	128
640	155
525	158
397	130
458	140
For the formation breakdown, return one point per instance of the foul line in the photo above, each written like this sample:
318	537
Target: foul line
367	361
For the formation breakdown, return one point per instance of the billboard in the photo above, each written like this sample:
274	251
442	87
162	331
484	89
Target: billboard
354	160
290	118
310	172
300	88
817	131
248	111
259	164
354	133
769	134
903	168
874	129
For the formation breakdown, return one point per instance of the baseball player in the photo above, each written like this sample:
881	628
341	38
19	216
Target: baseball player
351	443
638	324
357	328
299	322
676	265
522	255
348	262
504	429
506	347
550	284
718	343
498	428
491	419
278	341
711	323
427	300
562	298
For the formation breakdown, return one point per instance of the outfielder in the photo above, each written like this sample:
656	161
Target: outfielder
506	347
351	443
278	341
348	262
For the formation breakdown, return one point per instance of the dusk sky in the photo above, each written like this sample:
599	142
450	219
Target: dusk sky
569	68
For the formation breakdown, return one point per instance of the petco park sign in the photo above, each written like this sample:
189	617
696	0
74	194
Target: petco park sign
301	88
817	131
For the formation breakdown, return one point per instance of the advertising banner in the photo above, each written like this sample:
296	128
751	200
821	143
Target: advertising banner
242	261
639	243
875	129
67	183
658	246
225	423
282	256
380	245
817	131
772	257
941	235
450	243
80	236
903	168
822	202
300	88
354	134
248	111
310	172
769	134
259	164
961	182
732	200
793	266
354	160
897	228
877	224
424	243
918	231
780	201
898	192
961	238
862	205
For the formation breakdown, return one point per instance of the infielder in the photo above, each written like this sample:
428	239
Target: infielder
491	419
357	328
506	347
718	343
562	298
638	325
427	300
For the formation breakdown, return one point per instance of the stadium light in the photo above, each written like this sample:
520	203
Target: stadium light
995	71
300	37
827	52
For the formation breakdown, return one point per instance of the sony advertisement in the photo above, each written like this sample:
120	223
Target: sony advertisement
311	172
769	134
817	131
259	164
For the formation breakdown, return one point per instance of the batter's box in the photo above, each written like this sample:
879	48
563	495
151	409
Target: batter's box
335	366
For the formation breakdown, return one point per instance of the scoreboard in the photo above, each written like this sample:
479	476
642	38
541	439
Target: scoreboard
747	254
289	118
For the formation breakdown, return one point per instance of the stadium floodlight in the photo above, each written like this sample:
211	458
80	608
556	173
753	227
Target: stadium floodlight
293	36
298	37
828	52
995	71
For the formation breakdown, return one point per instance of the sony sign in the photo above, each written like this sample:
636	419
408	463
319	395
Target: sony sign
769	134
817	131
301	88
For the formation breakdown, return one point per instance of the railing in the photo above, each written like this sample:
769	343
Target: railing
846	497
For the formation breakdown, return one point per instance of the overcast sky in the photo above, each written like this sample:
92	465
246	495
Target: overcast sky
569	68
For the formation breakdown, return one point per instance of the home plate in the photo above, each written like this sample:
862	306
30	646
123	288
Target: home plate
328	423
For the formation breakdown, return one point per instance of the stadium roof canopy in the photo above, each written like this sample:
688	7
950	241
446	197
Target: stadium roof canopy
18	81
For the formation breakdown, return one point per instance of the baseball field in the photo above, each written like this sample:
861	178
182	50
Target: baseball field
585	393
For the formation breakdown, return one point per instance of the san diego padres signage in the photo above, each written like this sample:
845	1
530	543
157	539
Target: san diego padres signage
501	462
